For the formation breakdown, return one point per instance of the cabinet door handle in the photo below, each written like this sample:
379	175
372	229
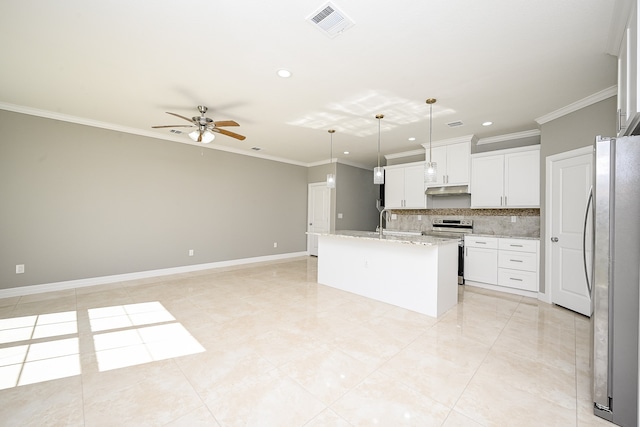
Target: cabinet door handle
500	200
516	246
515	279
515	260
505	200
481	243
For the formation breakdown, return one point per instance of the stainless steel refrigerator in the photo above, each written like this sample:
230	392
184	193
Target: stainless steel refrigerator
612	266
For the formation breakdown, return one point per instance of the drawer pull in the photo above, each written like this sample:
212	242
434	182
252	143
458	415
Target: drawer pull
516	246
515	260
481	243
517	280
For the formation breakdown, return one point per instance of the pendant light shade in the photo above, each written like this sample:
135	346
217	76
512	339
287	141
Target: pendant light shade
378	172
431	168
331	177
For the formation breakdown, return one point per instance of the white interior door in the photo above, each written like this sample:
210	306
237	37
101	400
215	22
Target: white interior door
318	212
568	187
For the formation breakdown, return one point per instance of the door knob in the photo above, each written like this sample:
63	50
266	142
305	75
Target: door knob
554	239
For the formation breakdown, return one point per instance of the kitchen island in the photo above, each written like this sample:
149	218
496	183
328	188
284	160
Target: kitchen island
418	273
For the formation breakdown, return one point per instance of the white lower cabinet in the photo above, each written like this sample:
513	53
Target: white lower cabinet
481	259
502	263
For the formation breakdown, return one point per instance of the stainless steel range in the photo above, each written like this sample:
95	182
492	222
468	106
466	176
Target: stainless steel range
452	228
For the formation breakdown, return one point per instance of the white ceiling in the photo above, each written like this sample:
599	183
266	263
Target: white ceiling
125	63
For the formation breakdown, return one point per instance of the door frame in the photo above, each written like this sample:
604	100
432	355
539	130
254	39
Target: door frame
548	208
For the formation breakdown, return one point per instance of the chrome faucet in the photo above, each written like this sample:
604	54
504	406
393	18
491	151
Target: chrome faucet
380	229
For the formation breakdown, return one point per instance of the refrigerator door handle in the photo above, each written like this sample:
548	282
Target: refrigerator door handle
584	240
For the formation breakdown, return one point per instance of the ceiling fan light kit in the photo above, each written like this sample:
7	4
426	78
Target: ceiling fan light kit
206	128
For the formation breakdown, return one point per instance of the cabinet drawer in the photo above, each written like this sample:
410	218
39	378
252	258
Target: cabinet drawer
524	280
481	242
518	245
517	260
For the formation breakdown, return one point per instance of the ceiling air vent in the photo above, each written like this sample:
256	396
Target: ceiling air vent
331	21
256	148
455	124
176	131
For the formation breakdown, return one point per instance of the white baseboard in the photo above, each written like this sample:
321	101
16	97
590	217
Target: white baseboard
521	292
93	281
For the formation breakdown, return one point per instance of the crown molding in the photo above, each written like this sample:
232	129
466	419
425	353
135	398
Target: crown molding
133	131
418	152
578	105
341	161
467	138
509	137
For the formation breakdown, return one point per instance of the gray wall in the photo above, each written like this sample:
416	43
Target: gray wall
576	130
356	197
81	202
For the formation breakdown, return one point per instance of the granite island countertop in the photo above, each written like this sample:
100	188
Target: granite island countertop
406	239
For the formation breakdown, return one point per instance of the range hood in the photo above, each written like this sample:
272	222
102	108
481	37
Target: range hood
447	191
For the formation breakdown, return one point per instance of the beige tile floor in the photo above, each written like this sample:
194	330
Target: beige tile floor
266	345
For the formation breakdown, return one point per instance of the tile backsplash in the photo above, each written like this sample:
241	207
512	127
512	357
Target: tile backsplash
485	221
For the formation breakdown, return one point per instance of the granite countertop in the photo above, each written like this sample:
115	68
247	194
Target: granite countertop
374	235
500	236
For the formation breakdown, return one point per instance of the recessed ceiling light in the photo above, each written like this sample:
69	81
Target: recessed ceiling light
346	152
413	138
487	123
284	73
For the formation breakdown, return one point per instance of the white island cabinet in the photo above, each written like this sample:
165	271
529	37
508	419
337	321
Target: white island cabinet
418	273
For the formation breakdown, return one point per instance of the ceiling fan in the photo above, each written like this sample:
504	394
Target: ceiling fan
205	127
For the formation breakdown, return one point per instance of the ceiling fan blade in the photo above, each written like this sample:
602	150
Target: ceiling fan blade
231	134
226	123
173	126
182	117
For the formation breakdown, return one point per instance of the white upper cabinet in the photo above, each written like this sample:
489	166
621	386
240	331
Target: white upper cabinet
628	98
404	186
506	178
452	159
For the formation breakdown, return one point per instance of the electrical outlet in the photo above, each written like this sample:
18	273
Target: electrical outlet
419	217
19	268
513	218
339	216
275	244
394	217
190	252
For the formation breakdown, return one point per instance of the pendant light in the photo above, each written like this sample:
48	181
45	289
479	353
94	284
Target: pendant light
331	177
431	169
378	172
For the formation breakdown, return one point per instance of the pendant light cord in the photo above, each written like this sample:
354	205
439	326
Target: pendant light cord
430	129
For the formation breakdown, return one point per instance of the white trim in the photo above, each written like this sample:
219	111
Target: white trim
337	160
506	151
509	137
467	138
81	283
418	152
547	215
133	131
497	288
578	105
